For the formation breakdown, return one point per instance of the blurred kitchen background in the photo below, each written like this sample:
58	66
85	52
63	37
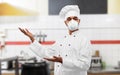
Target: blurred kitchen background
100	21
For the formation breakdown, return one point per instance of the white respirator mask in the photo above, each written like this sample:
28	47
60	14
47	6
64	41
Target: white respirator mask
73	25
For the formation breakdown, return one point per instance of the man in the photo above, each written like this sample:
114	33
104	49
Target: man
72	55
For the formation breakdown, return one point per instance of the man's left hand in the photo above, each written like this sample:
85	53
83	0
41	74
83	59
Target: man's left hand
55	59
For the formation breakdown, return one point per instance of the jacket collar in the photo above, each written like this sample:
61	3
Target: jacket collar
73	34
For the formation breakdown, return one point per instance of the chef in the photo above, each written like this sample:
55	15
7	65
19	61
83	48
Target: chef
71	54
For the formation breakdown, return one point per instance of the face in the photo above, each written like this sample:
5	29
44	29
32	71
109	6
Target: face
70	18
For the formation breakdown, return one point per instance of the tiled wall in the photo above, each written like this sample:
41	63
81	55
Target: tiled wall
95	27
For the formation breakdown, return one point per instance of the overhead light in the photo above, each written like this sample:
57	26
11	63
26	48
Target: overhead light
12	14
9	10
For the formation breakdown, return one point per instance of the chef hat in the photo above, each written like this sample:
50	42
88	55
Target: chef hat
69	10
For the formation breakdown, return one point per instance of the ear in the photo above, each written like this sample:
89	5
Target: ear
79	21
65	23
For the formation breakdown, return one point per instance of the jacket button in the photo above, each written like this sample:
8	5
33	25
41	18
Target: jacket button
66	55
69	44
58	55
65	36
74	36
58	65
60	44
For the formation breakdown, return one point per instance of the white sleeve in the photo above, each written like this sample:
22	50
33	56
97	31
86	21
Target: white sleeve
41	51
83	61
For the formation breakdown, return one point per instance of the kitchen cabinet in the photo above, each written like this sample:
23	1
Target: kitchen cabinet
28	4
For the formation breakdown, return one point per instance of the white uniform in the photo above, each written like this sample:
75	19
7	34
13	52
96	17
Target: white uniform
75	51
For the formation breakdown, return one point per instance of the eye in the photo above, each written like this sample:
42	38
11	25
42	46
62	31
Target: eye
75	18
68	19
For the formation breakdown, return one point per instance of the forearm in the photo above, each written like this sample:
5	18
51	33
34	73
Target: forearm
41	51
36	48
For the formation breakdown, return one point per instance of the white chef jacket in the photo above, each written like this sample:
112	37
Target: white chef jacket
75	51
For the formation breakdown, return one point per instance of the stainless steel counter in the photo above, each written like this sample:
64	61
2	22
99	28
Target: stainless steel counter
8	59
16	59
106	70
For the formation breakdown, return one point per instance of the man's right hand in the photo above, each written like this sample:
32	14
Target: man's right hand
27	33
